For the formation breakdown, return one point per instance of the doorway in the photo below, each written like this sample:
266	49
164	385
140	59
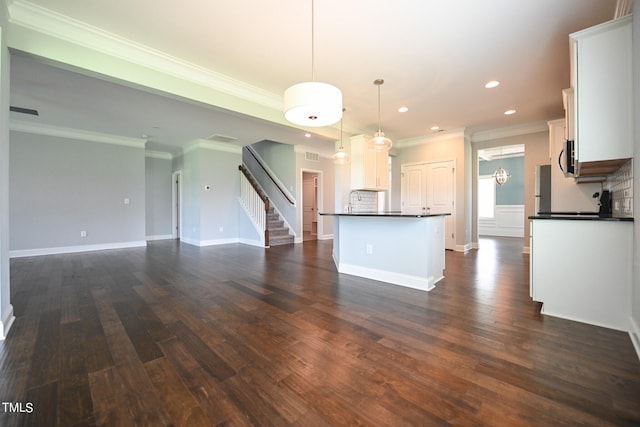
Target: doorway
429	188
310	205
176	203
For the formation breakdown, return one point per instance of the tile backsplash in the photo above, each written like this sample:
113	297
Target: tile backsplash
620	184
363	201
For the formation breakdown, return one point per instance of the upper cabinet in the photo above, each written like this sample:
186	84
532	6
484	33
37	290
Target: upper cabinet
602	79
369	167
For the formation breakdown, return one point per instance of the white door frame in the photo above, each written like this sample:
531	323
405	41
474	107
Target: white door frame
176	204
319	196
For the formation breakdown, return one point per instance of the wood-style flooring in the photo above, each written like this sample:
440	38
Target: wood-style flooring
235	335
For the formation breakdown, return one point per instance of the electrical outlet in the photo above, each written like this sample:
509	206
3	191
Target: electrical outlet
369	249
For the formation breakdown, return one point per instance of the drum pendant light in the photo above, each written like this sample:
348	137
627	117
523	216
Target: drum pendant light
379	141
313	103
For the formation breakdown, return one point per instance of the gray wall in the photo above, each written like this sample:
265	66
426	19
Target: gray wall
635	297
59	187
210	216
280	158
6	310
158	172
511	193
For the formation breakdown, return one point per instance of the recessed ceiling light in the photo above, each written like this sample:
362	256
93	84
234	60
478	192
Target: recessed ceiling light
492	84
307	135
435	127
403	109
509	112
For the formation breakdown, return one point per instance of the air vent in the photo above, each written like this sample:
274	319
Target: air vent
23	110
312	157
216	137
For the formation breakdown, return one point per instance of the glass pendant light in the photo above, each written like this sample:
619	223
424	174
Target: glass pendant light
341	157
501	175
313	103
379	141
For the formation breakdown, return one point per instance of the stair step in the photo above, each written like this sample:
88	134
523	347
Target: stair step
283	231
280	240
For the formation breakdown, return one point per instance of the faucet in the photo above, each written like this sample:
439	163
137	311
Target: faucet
350	206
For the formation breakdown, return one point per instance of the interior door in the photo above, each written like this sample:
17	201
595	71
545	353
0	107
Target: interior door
308	203
440	196
413	181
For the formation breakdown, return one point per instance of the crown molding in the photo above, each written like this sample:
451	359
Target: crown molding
507	132
76	134
162	155
41	20
426	139
212	145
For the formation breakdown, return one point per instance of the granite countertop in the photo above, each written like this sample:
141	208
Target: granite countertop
580	217
392	214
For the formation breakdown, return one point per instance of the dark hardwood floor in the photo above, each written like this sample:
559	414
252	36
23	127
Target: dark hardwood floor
238	335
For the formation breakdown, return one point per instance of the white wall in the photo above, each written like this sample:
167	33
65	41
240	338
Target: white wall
61	186
6	309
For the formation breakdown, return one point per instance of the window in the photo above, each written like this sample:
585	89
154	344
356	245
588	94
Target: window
486	196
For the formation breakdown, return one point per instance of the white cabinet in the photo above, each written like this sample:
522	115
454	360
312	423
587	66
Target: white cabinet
602	78
369	167
582	270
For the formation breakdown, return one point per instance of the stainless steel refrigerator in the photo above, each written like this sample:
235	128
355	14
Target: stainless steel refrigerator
543	189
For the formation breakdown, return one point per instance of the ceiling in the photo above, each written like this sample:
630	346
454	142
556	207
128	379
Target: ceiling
435	57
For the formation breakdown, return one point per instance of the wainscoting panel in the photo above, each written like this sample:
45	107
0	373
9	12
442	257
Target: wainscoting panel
507	222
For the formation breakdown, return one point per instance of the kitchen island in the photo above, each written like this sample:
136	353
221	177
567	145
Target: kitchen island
401	249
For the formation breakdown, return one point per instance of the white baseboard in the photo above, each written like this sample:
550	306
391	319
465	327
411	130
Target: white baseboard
252	242
160	237
415	282
216	242
7	321
74	249
466	248
634	333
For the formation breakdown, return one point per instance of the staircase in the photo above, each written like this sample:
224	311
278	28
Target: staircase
278	231
275	231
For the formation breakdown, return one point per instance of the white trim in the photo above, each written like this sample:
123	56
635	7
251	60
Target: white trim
319	207
425	139
53	24
215	242
466	247
502	222
212	145
587	321
409	281
251	242
634	333
162	155
74	249
76	134
160	237
525	129
7	322
176	205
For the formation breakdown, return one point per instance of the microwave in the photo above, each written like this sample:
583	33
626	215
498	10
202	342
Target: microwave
566	159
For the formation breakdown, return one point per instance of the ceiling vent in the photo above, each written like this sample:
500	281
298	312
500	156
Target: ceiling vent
216	137
312	157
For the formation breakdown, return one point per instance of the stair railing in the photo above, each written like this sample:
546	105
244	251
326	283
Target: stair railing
254	202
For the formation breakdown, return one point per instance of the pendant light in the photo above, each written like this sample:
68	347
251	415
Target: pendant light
501	175
313	103
341	157
379	141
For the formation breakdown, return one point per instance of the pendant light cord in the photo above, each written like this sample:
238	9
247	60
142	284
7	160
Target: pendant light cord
312	41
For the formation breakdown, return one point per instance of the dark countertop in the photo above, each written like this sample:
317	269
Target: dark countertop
581	217
382	214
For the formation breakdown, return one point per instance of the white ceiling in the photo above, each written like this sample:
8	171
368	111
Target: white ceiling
435	57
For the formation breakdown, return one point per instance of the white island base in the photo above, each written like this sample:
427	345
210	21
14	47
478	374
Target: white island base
406	250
